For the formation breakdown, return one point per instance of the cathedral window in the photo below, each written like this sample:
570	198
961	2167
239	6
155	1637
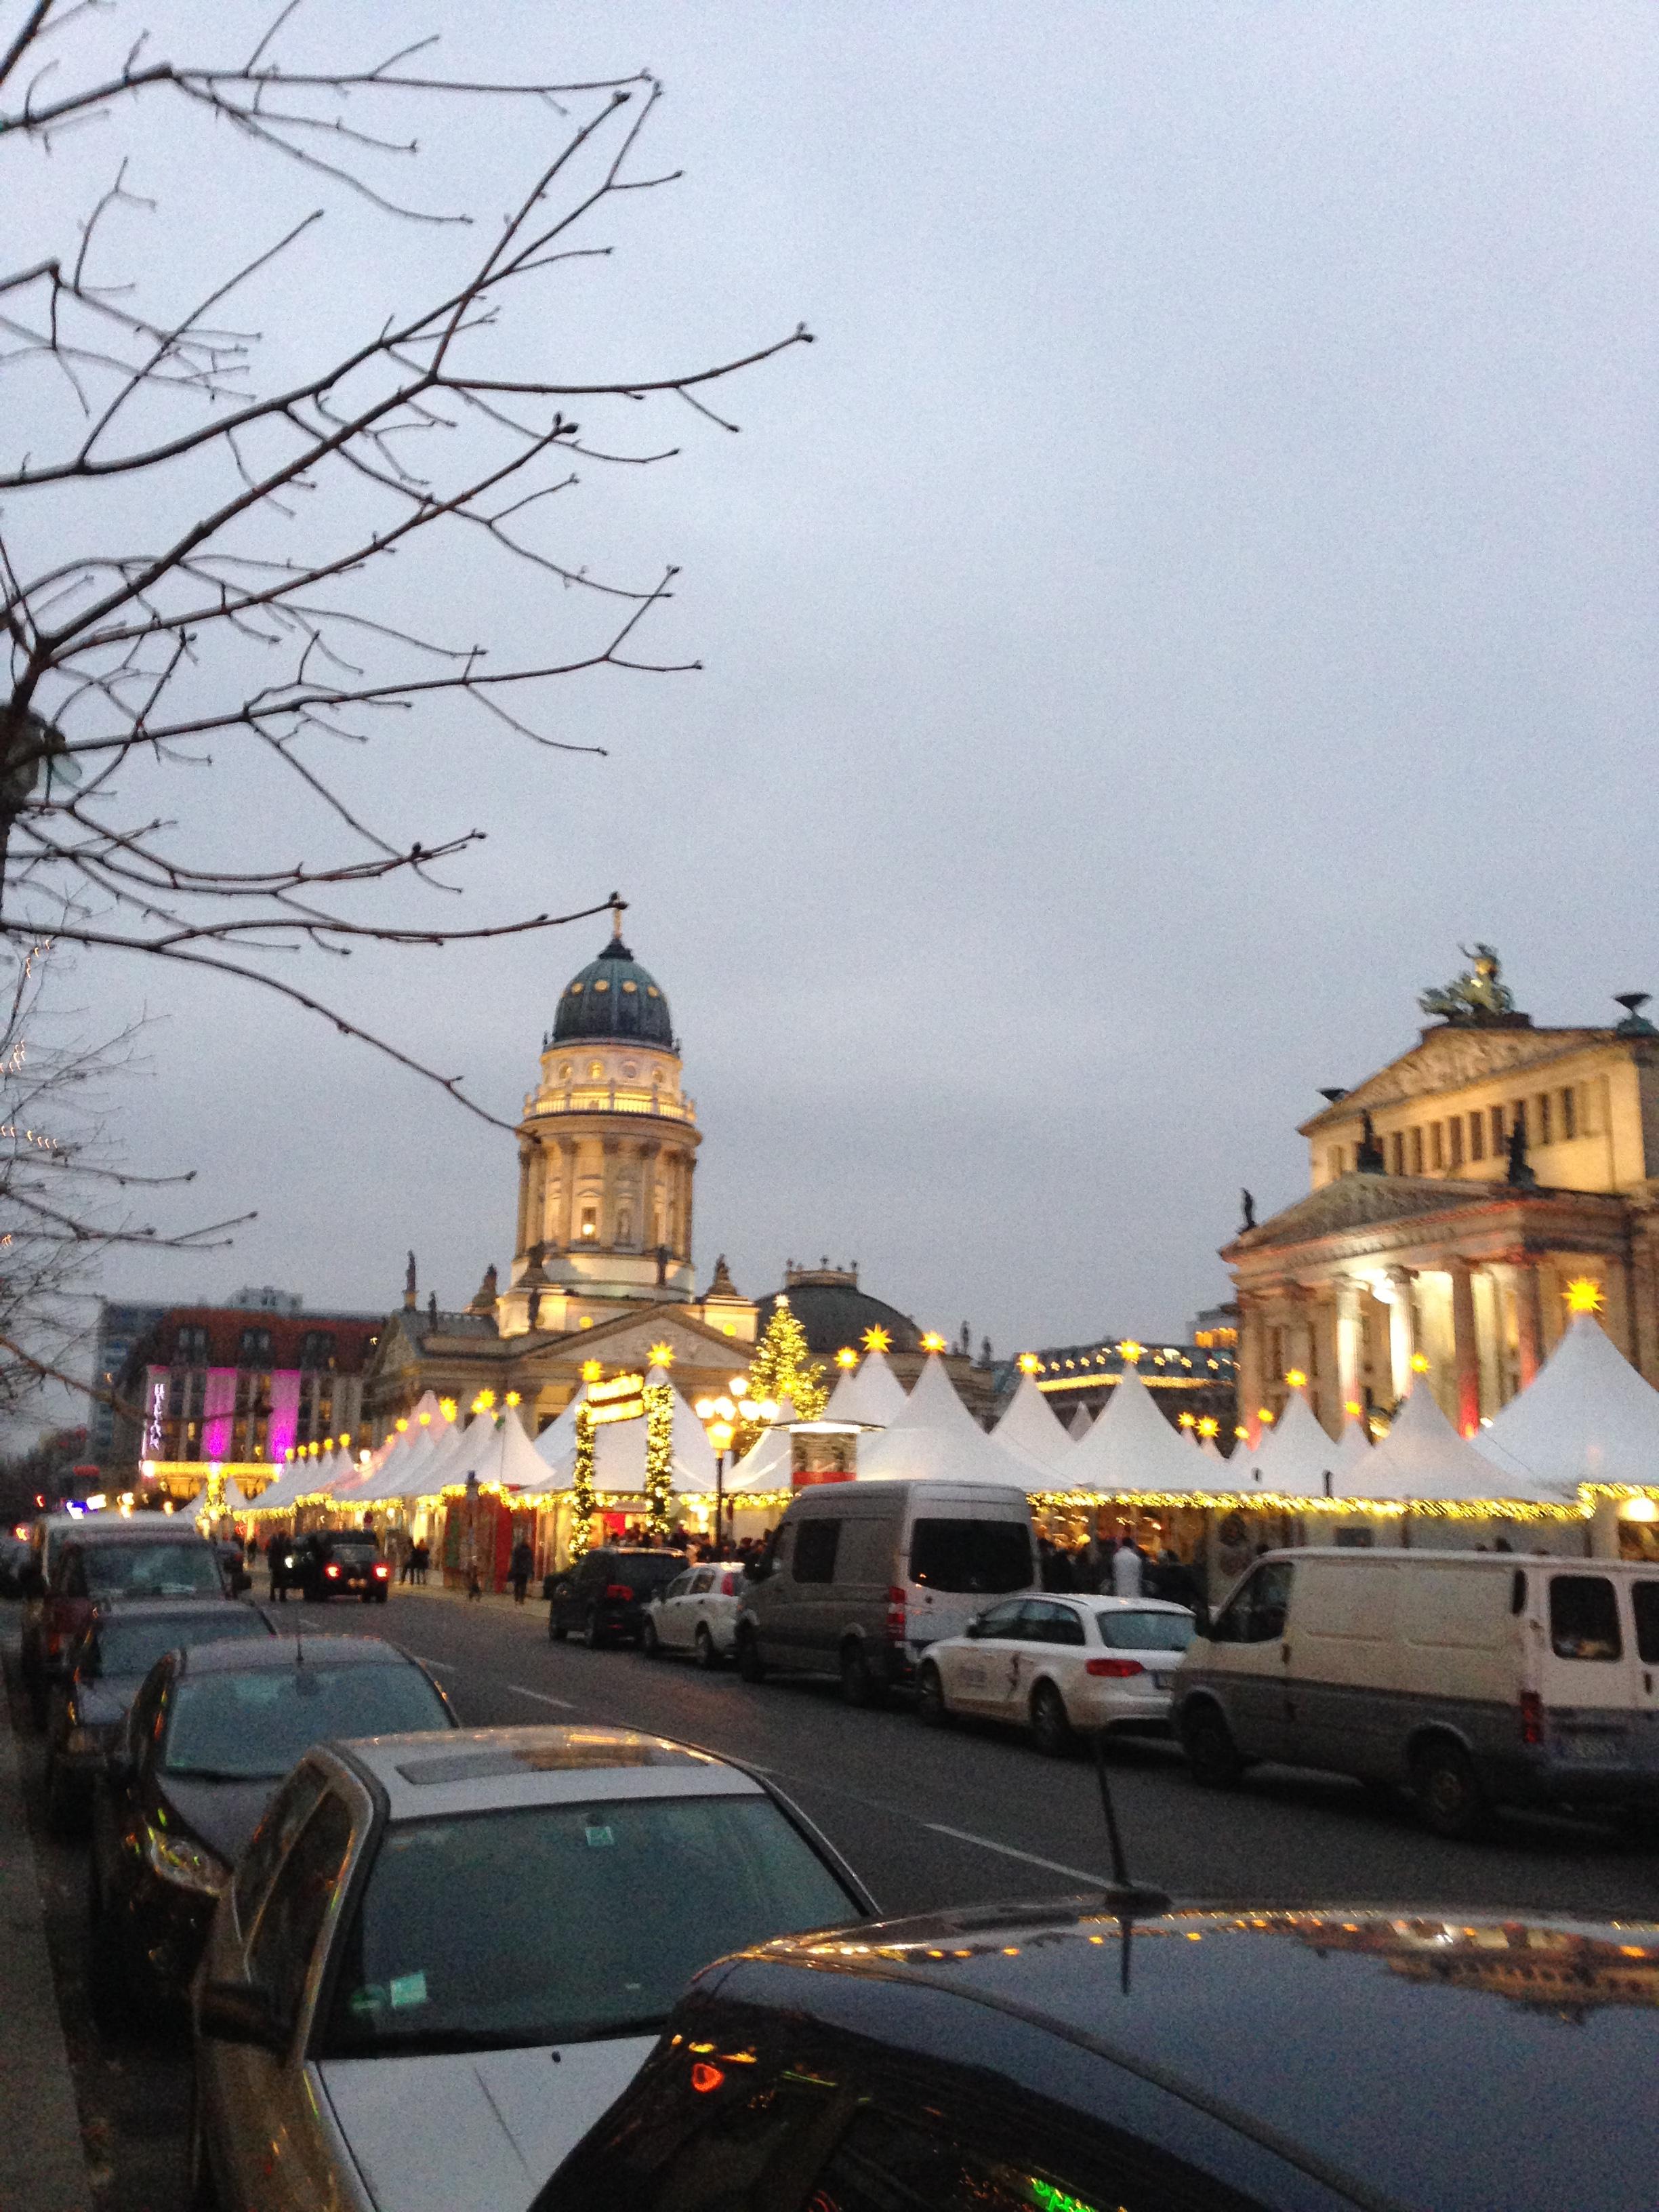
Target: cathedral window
1569	1115
1416	1152
1477	1136
630	988
602	985
1497	1131
1545	1123
1438	1145
589	1222
595	1070
1454	1139
1397	1152
625	1227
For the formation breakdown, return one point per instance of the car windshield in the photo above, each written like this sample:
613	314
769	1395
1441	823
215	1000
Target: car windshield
559	1923
1146	1632
648	1573
241	1727
983	1556
355	1546
132	1647
136	1569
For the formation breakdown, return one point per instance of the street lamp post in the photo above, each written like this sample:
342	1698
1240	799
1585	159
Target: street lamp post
720	1417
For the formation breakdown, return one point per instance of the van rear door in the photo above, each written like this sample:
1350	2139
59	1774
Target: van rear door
959	1556
1588	1674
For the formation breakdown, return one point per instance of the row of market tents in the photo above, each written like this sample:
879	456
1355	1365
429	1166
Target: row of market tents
1588	1419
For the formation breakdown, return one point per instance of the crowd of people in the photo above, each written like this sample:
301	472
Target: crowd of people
1110	1566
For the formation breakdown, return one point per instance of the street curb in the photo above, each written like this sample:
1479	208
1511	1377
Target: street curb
45	2168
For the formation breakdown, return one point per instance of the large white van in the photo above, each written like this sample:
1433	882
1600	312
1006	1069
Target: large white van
1478	1678
858	1577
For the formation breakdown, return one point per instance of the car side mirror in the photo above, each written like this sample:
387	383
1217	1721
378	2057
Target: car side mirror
237	2012
973	1628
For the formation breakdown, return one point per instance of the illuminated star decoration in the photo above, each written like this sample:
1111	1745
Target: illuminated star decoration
447	1406
1209	1426
932	1341
662	1355
1186	1421
1128	1352
513	1399
1265	1415
1419	1363
1296	1379
592	1371
1030	1364
847	1358
484	1401
1584	1295
877	1338
1352	1406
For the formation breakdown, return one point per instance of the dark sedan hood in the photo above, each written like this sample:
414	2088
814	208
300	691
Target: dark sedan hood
224	1814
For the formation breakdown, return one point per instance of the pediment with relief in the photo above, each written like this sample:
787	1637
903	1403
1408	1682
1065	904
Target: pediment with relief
1356	1201
1449	1057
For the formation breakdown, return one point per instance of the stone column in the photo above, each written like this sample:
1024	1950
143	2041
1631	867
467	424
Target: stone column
1402	1331
685	1220
650	1153
1466	1350
1351	1294
607	1235
1251	1353
1528	1327
527	1154
567	1236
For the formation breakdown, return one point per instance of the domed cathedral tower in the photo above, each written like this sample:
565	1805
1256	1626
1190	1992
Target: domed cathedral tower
606	1151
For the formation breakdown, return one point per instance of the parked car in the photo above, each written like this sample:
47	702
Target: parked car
109	1661
1061	2058
1478	1678
337	1563
1058	1664
105	1556
697	1613
211	1733
440	1962
603	1594
859	1578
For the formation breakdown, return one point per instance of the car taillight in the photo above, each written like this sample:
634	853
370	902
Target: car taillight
1532	1717
617	1593
1116	1670
728	1585
331	1570
382	1568
896	1615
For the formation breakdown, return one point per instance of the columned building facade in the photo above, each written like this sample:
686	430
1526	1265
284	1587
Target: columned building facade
1453	1196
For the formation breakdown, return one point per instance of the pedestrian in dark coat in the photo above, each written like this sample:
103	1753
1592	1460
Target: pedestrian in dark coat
519	1569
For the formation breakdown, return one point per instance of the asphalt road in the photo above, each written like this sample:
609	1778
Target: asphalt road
927	1818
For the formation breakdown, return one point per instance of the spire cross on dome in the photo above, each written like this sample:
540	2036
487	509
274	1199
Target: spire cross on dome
618	905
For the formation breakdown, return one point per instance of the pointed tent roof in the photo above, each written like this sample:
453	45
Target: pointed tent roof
936	1438
498	1451
1209	1448
1353	1454
1080	1423
619	1453
1424	1456
768	1463
1294	1456
403	1471
1587	1416
1030	1428
555	1447
870	1392
1131	1446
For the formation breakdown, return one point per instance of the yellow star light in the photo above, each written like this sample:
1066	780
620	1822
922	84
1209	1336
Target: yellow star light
847	1358
513	1399
426	1420
483	1401
1584	1295
1188	1421
932	1341
662	1355
1209	1426
448	1408
1295	1379
402	1424
877	1339
592	1371
1419	1363
1030	1364
1128	1352
1352	1406
1265	1415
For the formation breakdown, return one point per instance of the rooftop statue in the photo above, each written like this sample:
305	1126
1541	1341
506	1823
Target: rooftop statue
1477	995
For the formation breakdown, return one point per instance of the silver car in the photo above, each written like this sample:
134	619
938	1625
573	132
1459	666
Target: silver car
441	1958
697	1613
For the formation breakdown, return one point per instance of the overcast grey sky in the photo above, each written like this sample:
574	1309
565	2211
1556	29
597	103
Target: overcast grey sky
1203	570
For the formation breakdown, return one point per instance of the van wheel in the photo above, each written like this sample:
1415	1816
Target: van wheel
931	1708
707	1657
1449	1803
1051	1725
1211	1752
858	1685
750	1666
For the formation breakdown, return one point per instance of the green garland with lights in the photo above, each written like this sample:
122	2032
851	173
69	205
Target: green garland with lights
659	1455
582	1484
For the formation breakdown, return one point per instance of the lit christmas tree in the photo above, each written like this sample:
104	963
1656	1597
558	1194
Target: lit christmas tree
783	1367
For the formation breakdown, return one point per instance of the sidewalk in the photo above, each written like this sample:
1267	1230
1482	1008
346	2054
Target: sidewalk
43	2168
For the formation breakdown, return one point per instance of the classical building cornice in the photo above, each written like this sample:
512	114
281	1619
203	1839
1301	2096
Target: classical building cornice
1362	1213
1450	1057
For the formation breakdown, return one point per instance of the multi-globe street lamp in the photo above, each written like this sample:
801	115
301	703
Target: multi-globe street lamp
720	1417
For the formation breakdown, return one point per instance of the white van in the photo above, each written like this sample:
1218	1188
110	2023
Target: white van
1477	1678
858	1577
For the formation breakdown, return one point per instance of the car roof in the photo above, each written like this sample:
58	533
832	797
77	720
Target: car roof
1324	2027
1100	1603
500	1769
247	1656
140	1528
117	1608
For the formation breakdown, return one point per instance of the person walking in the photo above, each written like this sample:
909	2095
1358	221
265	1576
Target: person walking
519	1569
420	1557
1128	1566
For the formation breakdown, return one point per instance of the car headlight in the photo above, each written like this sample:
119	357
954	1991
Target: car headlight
188	1866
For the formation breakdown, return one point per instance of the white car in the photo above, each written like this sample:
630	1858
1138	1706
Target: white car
697	1612
441	1957
1058	1664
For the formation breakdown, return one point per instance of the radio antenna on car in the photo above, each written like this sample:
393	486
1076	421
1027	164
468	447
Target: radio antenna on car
1131	1899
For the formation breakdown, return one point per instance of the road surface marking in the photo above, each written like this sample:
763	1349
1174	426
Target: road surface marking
519	1690
1078	1874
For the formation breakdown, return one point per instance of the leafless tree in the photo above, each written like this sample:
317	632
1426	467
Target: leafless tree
276	505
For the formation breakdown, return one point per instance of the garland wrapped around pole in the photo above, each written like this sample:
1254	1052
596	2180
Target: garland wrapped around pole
582	1484
659	1455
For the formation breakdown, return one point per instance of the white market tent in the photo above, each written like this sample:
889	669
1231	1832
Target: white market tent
871	1395
498	1453
936	1438
1293	1458
1423	1457
1586	1417
619	1454
768	1463
558	1438
1209	1448
401	1475
1353	1454
1080	1423
1131	1447
1031	1429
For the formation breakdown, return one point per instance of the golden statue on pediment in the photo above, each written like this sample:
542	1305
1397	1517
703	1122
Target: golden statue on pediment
1477	995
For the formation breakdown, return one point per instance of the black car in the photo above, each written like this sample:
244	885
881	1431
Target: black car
336	1563
111	1656
211	1733
97	1558
603	1594
1058	2057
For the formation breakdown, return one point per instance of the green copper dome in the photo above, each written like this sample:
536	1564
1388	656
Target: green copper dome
613	998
